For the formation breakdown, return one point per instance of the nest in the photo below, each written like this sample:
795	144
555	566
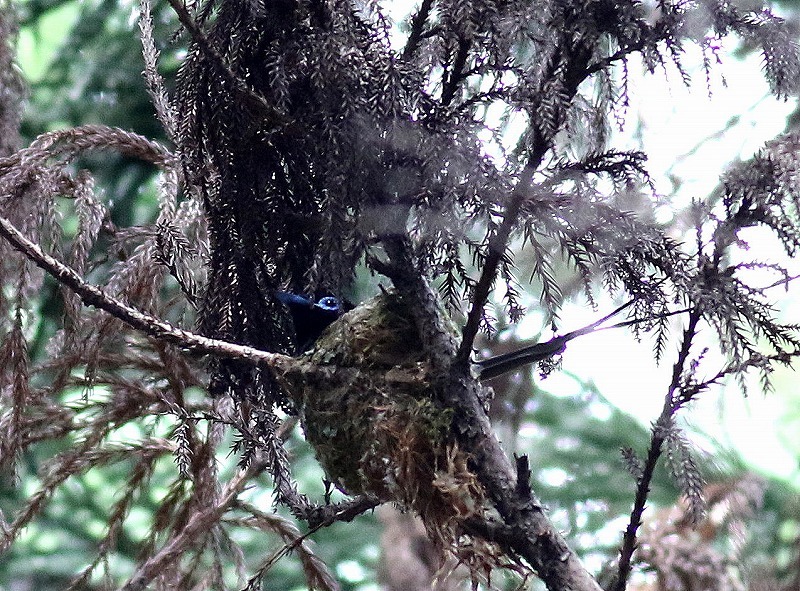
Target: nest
365	397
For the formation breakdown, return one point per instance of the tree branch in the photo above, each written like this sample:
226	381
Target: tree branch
526	530
417	26
568	75
496	247
456	71
94	296
657	439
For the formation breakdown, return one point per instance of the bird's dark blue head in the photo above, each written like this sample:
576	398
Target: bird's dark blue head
310	318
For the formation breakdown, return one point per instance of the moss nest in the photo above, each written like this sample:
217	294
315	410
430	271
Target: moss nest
366	407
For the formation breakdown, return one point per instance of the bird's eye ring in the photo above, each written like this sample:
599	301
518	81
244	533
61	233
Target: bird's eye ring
328	303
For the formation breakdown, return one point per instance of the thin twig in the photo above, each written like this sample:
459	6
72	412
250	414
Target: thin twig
349	511
197	525
657	439
92	295
575	71
496	247
457	74
782	282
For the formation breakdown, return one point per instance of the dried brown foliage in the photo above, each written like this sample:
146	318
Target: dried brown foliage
687	555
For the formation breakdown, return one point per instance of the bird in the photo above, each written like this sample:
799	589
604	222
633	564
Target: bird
310	318
500	364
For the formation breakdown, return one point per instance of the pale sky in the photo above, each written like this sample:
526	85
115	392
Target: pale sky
687	135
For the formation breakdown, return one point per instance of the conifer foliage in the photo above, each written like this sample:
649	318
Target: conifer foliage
312	139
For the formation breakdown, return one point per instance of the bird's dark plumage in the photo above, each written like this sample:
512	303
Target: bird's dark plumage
310	318
500	364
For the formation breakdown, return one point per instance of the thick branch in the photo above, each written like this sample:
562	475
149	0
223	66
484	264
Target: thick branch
526	530
417	28
530	534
